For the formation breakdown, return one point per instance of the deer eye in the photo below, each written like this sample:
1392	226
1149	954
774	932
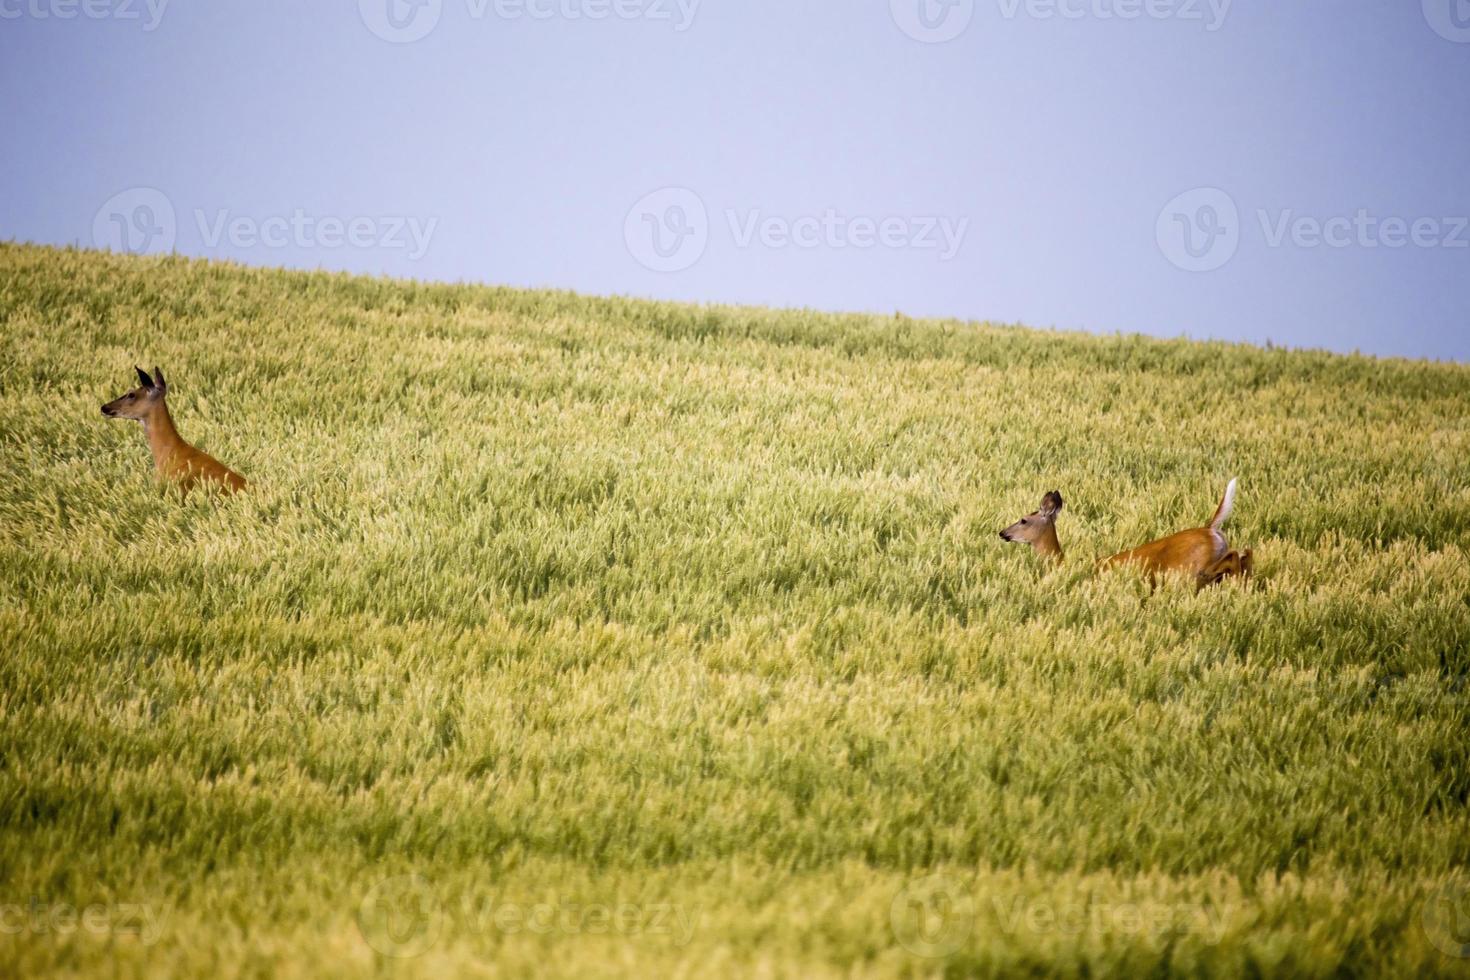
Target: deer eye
1025	520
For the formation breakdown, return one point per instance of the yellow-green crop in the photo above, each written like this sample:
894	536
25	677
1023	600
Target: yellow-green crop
599	637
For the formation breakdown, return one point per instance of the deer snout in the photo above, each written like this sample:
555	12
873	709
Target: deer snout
109	411
1005	536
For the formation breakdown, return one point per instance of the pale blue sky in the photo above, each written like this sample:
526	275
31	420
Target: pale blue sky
827	156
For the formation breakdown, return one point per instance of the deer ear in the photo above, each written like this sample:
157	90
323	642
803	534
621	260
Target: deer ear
143	378
1051	503
158	376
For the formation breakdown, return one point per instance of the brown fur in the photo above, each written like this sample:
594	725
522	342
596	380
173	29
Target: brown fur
1200	553
1039	528
1190	552
174	460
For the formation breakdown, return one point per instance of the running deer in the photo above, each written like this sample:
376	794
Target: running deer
1200	552
174	459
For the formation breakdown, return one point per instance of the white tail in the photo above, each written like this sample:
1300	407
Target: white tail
1227	504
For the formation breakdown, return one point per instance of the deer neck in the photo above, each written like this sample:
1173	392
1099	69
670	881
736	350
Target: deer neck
1047	544
163	439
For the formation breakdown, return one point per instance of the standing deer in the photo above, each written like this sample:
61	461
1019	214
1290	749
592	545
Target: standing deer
1201	552
174	460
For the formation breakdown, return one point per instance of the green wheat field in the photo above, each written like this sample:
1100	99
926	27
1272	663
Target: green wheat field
600	637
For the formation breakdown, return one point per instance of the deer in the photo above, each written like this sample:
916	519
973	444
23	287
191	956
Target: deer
1202	553
175	461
